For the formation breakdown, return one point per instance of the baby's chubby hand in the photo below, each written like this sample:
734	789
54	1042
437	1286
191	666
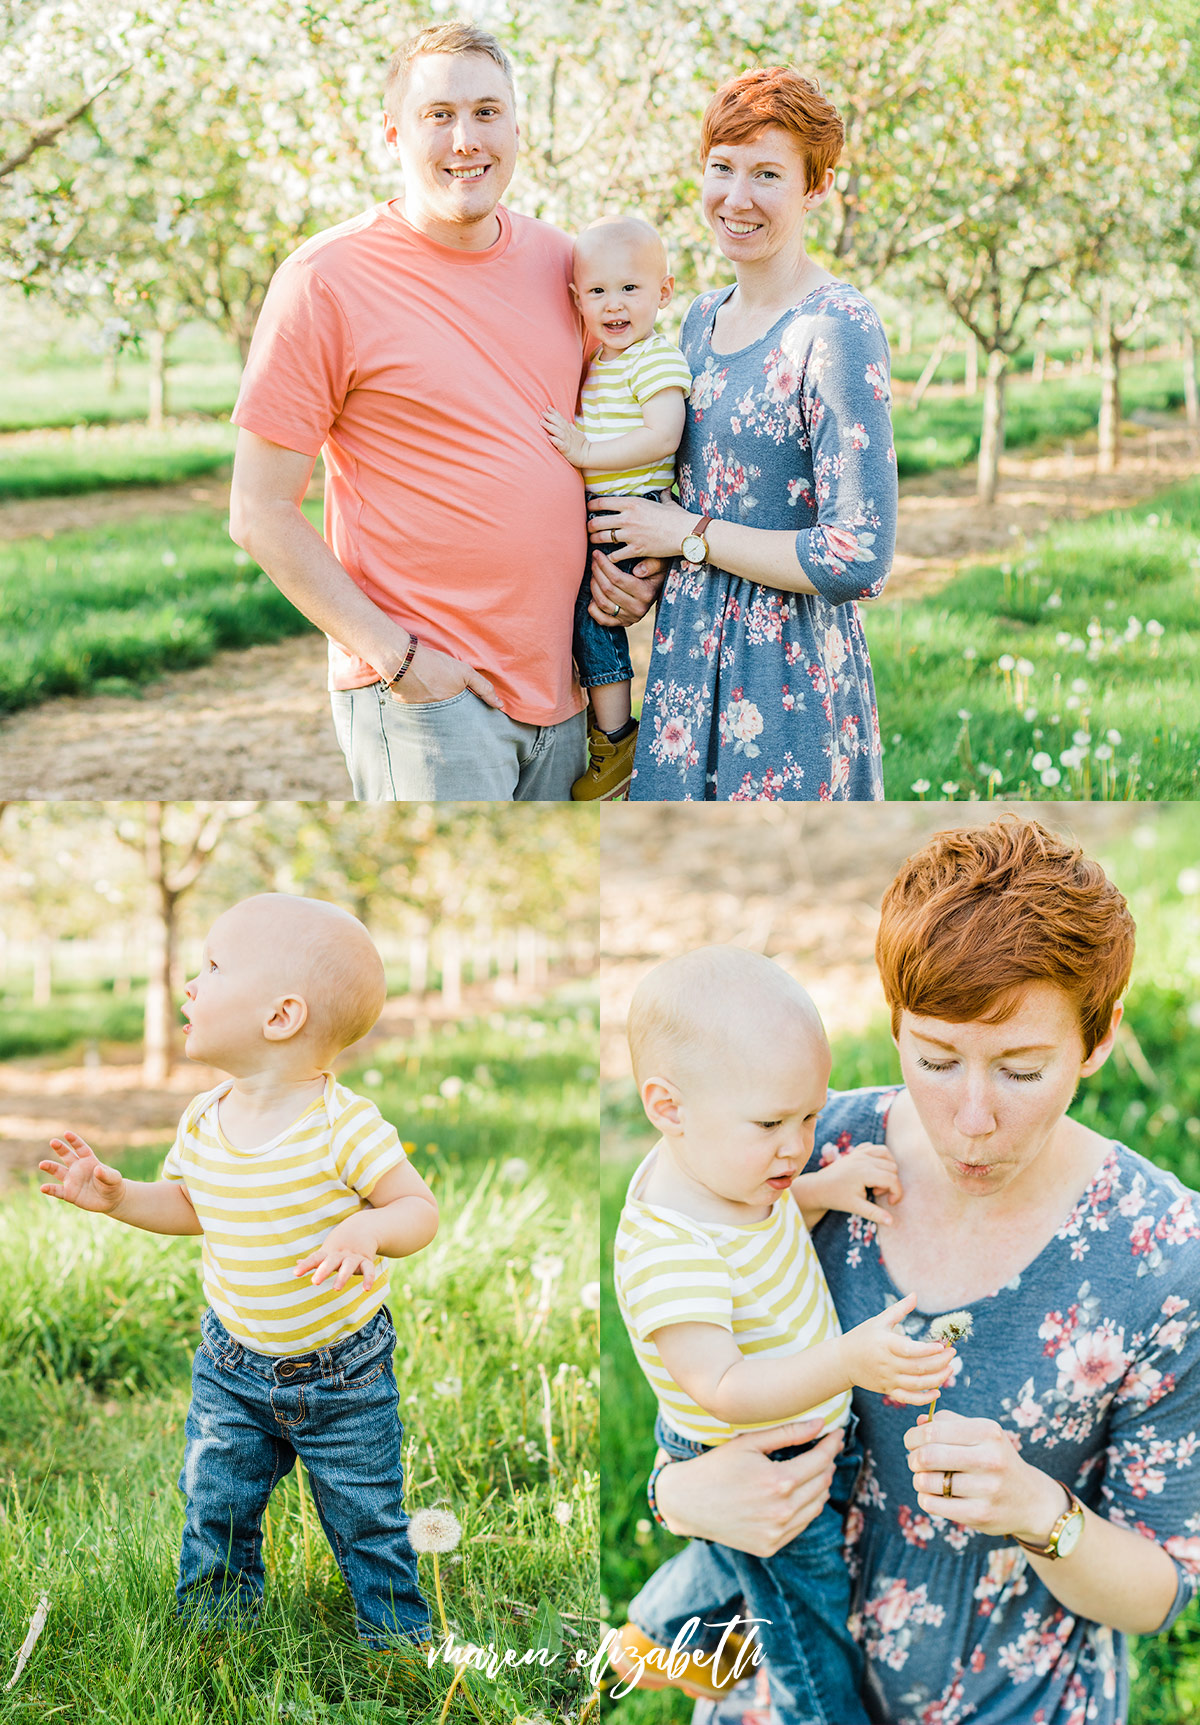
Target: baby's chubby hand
865	1169
80	1178
882	1358
348	1250
566	437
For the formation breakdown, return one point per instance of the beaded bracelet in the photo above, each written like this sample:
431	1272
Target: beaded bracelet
413	644
651	1498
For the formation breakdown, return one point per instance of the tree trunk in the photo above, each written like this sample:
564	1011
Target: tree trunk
991	442
941	348
1110	390
112	370
451	970
1190	401
971	381
156	343
1038	374
160	1017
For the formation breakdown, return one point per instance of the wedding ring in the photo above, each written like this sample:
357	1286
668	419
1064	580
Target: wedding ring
947	1479
612	536
616	610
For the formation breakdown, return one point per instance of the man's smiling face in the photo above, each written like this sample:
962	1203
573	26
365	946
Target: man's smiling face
455	138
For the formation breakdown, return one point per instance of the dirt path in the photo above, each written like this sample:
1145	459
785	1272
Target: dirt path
256	723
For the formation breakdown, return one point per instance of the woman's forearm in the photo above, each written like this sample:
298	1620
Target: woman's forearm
757	554
1113	1576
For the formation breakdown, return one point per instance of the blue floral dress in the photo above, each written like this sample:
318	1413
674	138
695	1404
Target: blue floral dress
1090	1357
755	694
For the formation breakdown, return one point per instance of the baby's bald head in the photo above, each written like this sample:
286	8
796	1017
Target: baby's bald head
611	238
696	1017
316	951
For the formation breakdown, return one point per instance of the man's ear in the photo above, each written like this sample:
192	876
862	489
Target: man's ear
390	140
288	1018
660	1099
1104	1047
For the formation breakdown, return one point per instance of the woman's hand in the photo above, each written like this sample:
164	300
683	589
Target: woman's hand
992	1489
621	596
735	1496
642	527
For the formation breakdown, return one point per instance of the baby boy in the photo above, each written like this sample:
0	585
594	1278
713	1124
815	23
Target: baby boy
302	1191
729	1312
624	439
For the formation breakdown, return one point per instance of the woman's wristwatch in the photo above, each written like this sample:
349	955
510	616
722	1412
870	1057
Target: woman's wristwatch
695	546
1064	1535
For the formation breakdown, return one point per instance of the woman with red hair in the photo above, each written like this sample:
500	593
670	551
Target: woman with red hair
1002	1550
760	685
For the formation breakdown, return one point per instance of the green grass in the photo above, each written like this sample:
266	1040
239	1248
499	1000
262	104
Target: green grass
1162	1121
99	610
63	463
65	384
944	432
497	1395
84	1015
1105	614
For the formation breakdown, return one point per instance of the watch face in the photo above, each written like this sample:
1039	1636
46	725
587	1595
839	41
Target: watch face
693	549
1068	1539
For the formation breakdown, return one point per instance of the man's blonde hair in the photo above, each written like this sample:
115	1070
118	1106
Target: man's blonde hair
713	997
459	37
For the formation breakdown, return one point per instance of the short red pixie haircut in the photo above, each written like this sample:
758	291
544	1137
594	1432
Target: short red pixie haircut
981	912
775	96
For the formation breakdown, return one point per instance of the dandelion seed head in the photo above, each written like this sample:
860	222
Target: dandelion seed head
589	1296
1041	761
952	1327
432	1530
920	786
1006	662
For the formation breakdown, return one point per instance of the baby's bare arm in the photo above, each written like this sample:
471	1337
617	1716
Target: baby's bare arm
658	437
80	1178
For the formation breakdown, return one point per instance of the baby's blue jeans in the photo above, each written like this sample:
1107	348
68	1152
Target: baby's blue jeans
801	1598
251	1416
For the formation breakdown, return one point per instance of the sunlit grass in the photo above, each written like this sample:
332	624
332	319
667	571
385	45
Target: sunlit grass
497	1382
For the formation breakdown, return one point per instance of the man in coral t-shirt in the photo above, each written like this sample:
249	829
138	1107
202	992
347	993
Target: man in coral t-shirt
418	346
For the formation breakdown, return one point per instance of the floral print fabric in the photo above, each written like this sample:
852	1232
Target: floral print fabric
1089	1358
755	694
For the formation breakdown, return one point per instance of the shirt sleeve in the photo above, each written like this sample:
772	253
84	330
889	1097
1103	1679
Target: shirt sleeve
1151	1476
845	398
668	1276
659	366
301	363
365	1146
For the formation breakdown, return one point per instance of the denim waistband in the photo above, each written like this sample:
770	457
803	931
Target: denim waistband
331	1363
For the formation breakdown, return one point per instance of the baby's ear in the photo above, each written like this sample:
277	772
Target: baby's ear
666	290
661	1102
288	1018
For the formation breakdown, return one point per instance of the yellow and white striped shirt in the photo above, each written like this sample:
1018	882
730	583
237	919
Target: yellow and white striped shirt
761	1281
614	392
263	1210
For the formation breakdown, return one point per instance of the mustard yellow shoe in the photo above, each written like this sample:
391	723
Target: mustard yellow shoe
632	1653
609	768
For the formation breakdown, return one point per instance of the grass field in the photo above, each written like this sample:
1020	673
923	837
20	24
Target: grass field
100	610
58	464
945	430
1068	671
496	1373
1163	1121
62	381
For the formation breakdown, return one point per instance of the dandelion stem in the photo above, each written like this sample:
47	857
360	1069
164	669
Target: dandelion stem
437	1587
454	1683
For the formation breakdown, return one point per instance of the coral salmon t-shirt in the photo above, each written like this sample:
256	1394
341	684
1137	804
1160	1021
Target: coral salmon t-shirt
422	372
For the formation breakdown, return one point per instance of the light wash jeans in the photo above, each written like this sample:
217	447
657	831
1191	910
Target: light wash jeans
458	750
800	1597
251	1416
